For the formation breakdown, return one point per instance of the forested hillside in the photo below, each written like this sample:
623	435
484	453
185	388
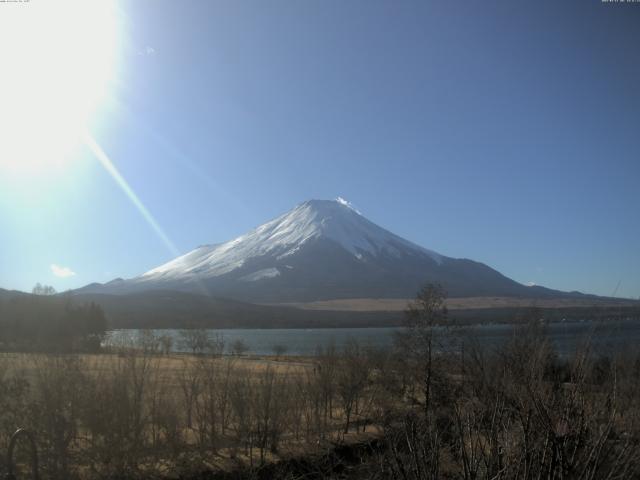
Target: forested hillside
51	323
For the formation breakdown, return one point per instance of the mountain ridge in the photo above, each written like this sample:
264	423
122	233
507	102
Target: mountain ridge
320	250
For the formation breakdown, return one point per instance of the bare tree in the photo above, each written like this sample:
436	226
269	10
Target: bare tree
39	289
195	340
58	383
271	396
352	378
215	344
190	382
148	341
242	405
419	339
325	373
239	347
279	349
166	344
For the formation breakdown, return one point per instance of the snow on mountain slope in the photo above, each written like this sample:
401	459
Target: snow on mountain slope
319	250
332	220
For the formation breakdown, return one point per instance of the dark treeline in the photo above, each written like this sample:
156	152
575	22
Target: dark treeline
50	323
171	309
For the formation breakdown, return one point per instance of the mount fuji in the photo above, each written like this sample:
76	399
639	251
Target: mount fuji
320	250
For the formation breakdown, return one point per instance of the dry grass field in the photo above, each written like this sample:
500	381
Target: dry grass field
133	412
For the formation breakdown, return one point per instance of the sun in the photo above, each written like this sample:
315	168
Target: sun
57	63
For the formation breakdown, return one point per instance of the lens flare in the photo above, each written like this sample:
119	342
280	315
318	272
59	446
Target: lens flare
126	188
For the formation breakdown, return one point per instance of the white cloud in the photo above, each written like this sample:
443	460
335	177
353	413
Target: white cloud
146	51
531	284
62	272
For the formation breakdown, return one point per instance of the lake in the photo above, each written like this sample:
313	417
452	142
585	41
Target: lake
606	337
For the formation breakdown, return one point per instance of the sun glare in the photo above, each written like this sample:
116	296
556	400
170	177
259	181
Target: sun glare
58	59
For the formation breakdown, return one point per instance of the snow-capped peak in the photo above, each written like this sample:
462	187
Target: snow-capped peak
334	220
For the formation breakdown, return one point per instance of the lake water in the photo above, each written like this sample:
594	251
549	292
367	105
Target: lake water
605	337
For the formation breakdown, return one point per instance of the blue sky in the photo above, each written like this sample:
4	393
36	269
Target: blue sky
505	132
